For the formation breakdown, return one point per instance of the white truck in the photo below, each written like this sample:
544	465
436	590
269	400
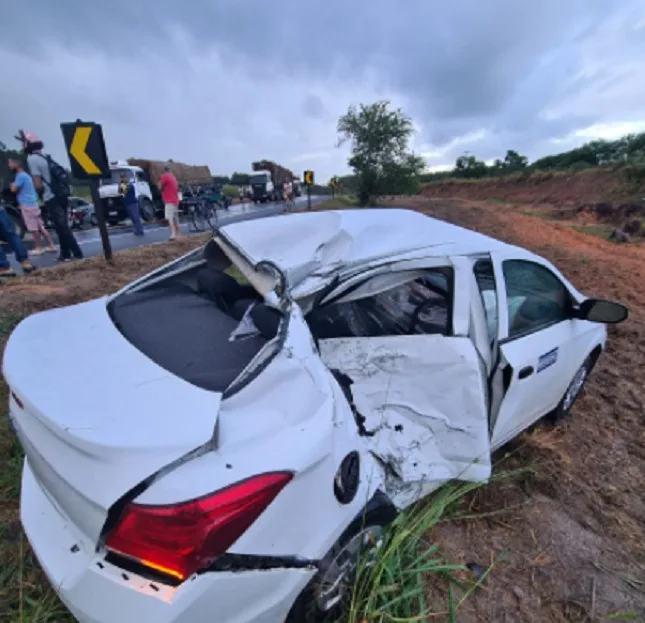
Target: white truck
263	188
113	204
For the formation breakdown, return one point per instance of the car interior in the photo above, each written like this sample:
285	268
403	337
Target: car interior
187	322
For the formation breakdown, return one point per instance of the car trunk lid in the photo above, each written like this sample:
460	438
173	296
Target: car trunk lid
95	416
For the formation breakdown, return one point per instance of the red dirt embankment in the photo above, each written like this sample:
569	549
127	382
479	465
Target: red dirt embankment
558	188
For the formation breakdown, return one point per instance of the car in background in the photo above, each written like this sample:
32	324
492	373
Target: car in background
237	470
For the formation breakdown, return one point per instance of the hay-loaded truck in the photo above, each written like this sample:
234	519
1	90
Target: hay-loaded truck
145	175
267	181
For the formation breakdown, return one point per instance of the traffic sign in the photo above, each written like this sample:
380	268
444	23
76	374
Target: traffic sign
332	182
85	149
309	178
88	161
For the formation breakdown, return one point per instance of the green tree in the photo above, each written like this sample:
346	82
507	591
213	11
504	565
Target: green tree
514	161
468	166
381	158
240	179
6	176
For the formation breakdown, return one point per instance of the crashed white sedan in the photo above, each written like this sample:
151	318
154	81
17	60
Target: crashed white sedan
240	420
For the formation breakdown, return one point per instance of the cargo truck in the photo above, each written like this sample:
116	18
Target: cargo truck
267	181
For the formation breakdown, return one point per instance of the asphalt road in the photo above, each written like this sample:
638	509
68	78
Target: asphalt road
122	237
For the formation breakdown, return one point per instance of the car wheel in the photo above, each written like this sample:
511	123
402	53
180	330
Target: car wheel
147	210
328	593
573	391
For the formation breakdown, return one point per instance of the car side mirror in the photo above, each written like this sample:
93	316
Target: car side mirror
599	310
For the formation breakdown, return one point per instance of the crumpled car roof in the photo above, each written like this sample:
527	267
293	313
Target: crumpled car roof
318	244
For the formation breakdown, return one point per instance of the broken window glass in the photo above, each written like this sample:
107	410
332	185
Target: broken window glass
422	305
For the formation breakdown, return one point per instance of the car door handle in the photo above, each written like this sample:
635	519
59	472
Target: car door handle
525	372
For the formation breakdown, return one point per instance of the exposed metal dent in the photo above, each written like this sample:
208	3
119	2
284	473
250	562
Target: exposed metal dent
420	406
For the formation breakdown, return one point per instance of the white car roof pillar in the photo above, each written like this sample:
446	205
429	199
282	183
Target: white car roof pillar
462	295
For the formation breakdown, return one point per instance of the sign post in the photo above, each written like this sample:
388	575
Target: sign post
88	161
332	183
309	181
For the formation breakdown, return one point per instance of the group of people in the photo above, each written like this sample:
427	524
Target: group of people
38	177
169	189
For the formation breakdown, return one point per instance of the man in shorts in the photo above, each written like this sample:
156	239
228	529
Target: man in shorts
23	186
170	196
56	205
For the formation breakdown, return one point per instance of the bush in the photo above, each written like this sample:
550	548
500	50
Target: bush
230	191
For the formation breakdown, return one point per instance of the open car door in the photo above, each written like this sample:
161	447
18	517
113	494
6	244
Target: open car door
400	345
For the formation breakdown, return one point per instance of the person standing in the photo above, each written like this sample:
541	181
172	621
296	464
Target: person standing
23	186
170	197
8	233
52	183
242	194
132	204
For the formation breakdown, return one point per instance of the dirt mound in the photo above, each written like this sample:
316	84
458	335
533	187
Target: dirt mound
558	188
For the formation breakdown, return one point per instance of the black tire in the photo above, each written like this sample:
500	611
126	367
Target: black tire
306	608
573	390
146	209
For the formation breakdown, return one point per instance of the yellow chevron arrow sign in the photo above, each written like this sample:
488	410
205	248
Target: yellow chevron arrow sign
77	150
86	149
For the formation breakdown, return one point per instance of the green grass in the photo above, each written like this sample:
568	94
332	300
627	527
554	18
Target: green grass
339	202
393	584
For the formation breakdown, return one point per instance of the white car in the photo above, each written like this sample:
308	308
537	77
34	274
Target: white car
230	439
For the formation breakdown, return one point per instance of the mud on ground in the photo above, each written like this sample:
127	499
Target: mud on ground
570	544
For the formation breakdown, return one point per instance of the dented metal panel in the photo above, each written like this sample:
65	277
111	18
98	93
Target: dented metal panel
421	402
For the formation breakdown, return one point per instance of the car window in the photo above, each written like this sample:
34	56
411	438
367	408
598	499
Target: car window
535	297
485	277
422	305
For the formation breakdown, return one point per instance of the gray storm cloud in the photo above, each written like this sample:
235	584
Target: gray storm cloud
269	79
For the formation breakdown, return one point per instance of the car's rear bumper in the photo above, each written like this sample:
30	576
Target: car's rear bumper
96	591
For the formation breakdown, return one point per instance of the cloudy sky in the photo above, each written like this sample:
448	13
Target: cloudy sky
225	82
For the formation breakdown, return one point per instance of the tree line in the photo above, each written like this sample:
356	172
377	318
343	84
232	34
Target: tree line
627	150
383	164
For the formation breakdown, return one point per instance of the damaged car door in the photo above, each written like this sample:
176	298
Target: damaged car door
399	342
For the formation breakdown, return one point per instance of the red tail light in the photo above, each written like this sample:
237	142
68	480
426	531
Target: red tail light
182	539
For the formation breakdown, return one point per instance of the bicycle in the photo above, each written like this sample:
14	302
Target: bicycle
203	213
